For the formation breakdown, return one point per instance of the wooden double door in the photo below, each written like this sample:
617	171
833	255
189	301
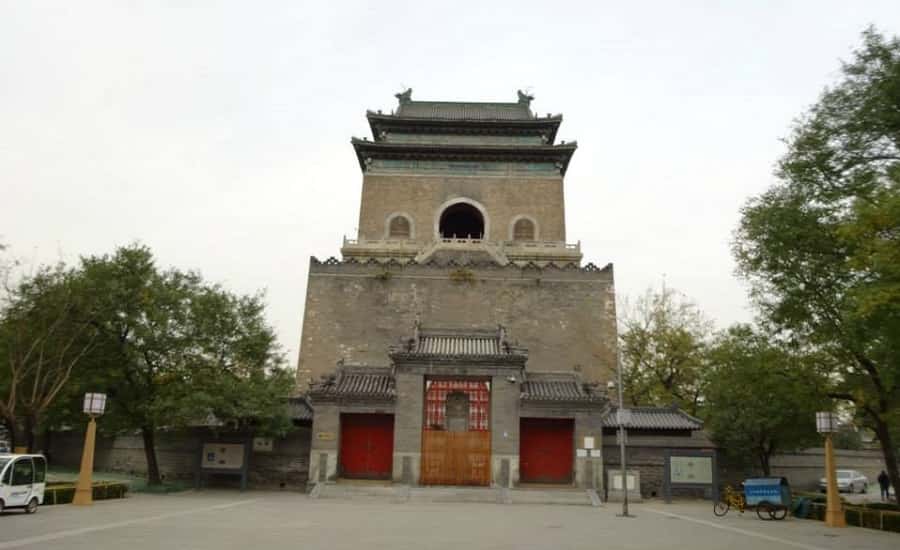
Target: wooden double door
456	436
456	458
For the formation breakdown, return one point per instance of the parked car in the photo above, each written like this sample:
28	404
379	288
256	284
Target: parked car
849	481
22	481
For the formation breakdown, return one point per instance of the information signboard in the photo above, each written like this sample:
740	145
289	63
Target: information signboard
690	469
223	456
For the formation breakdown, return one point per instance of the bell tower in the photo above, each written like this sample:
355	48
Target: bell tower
462	179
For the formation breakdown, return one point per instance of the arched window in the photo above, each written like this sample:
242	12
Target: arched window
399	228
462	220
523	230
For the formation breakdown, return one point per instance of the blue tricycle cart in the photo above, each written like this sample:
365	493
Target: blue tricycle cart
771	496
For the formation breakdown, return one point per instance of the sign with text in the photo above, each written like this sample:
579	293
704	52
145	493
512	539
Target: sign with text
223	456
691	469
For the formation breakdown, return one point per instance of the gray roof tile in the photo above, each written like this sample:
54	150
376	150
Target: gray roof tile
459	345
299	409
360	382
656	418
556	387
451	110
463	342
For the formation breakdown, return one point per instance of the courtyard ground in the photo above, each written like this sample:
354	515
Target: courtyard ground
272	520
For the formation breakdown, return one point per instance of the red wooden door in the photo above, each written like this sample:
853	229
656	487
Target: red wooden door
546	449
367	445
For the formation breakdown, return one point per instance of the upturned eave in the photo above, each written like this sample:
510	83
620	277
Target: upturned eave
546	126
559	153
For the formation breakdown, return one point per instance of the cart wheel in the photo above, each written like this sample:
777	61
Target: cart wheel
720	508
764	511
778	512
32	506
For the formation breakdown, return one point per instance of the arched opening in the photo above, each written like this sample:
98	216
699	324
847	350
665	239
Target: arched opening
462	220
523	230
399	228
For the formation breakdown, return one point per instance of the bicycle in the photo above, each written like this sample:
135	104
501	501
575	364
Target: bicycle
730	498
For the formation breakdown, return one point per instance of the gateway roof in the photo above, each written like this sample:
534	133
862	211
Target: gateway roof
557	387
656	418
459	342
356	382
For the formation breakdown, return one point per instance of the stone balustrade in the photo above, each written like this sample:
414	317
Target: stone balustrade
503	252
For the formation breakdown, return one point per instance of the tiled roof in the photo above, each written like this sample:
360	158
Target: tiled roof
466	342
451	110
299	409
358	382
459	345
556	387
656	418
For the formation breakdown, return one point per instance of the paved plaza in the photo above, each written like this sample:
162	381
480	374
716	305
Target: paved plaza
218	520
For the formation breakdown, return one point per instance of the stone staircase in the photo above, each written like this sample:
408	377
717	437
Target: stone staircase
488	495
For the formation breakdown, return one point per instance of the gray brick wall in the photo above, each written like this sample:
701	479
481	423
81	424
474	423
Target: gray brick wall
178	454
566	318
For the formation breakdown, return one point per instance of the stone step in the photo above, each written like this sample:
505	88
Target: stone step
403	493
576	497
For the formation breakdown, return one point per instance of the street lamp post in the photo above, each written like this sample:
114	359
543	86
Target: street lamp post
623	417
826	423
94	405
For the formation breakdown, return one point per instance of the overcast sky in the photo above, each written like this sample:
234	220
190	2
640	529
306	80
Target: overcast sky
218	133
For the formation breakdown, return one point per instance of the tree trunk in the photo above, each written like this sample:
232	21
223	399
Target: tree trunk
20	434
30	426
764	464
10	432
150	452
890	455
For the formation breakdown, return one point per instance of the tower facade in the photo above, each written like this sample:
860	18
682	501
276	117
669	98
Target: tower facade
459	339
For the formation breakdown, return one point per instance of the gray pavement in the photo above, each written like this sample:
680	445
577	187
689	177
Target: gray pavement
271	520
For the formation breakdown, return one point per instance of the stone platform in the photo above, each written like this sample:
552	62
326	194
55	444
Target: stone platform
403	493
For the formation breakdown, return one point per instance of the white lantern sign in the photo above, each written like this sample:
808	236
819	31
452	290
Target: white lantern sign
94	403
826	422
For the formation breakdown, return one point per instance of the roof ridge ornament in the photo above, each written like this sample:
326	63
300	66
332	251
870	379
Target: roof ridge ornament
525	98
404	96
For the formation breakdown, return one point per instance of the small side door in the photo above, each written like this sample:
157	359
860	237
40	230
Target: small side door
21	481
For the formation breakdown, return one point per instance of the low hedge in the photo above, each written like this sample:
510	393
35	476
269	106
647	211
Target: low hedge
59	493
872	516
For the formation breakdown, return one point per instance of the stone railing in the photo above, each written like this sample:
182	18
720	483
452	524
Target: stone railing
503	252
539	247
380	248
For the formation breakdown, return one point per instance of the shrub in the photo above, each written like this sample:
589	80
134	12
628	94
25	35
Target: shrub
59	493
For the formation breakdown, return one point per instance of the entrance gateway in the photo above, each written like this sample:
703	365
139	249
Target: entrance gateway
457	408
449	345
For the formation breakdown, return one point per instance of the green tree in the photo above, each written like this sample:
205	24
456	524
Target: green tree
173	349
821	248
43	338
760	397
662	343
